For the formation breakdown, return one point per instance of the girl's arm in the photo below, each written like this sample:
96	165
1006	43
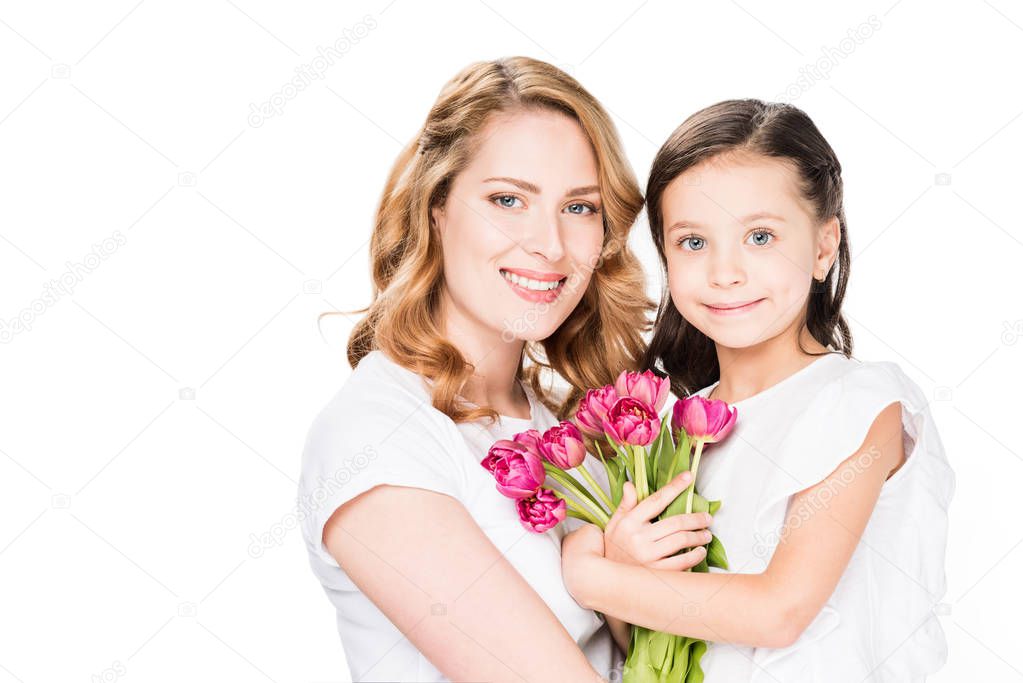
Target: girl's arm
770	609
426	564
620	631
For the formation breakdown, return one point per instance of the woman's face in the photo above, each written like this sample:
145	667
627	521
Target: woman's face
742	247
521	229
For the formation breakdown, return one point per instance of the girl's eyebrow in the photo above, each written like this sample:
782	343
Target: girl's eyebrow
527	186
756	216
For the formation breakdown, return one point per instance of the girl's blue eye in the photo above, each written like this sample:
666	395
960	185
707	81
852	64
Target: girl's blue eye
586	209
767	236
502	200
695	243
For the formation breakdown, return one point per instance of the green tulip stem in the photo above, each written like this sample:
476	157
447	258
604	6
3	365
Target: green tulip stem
579	511
641	483
596	487
696	466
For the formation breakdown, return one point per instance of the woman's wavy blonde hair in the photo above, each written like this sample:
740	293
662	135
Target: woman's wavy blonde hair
599	339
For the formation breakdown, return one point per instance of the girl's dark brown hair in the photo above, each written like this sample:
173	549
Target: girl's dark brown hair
768	129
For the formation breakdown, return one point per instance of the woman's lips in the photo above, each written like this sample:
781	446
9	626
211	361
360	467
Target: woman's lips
534	295
732	309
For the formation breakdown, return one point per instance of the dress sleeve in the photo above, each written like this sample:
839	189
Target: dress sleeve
361	441
828	432
833	427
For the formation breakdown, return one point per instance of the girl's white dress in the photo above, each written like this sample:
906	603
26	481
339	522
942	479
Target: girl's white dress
880	624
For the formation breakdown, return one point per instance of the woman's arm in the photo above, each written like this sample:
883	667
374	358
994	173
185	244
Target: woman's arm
426	564
770	609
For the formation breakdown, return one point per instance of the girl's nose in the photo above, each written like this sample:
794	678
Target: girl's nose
726	271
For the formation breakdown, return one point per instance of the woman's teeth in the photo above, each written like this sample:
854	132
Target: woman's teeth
537	285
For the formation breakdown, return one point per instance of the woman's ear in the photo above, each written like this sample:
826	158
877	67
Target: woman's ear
828	238
437	219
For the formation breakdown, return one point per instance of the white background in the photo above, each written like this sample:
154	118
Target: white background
152	417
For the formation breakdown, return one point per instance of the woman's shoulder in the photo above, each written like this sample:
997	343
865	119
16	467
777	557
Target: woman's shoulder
380	397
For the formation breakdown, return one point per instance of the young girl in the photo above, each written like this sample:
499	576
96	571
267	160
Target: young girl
502	231
834	483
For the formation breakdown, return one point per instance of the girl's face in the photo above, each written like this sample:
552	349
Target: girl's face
521	229
742	247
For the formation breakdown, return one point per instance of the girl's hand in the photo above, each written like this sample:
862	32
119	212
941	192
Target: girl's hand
631	538
577	548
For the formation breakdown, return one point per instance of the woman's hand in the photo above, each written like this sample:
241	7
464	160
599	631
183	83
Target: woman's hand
579	547
631	538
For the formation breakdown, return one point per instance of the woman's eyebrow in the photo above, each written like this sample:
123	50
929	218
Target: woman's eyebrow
535	189
521	184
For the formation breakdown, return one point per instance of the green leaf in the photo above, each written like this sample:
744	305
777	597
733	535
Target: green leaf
695	674
678	506
618	485
713	506
662	451
619	451
716	553
613	474
658	645
681	659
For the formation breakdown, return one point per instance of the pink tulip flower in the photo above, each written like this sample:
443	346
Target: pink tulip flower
631	421
645	386
541	511
531	439
702	419
562	446
518	472
593	407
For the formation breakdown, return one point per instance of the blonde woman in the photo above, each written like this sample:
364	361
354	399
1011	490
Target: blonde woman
500	237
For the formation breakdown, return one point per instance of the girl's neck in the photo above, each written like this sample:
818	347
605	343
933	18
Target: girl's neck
747	371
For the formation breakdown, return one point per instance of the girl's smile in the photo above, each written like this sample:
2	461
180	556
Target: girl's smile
737	308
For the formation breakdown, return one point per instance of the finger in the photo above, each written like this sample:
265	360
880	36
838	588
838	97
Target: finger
669	545
691	522
654	504
627	503
681	562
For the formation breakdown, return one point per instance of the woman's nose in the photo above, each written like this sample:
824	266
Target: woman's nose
543	238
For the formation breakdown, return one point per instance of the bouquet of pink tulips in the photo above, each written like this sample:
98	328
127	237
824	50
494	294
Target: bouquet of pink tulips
642	448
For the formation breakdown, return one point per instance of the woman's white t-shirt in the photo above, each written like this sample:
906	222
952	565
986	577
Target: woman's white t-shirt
880	623
381	428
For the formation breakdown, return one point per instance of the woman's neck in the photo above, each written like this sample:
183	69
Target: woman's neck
494	383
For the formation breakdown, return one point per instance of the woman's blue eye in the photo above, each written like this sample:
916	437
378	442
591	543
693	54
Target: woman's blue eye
585	209
764	234
695	243
502	200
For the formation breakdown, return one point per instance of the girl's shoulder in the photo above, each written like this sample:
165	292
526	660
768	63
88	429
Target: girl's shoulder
840	409
848	382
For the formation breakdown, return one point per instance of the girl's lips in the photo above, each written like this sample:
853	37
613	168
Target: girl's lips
738	310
